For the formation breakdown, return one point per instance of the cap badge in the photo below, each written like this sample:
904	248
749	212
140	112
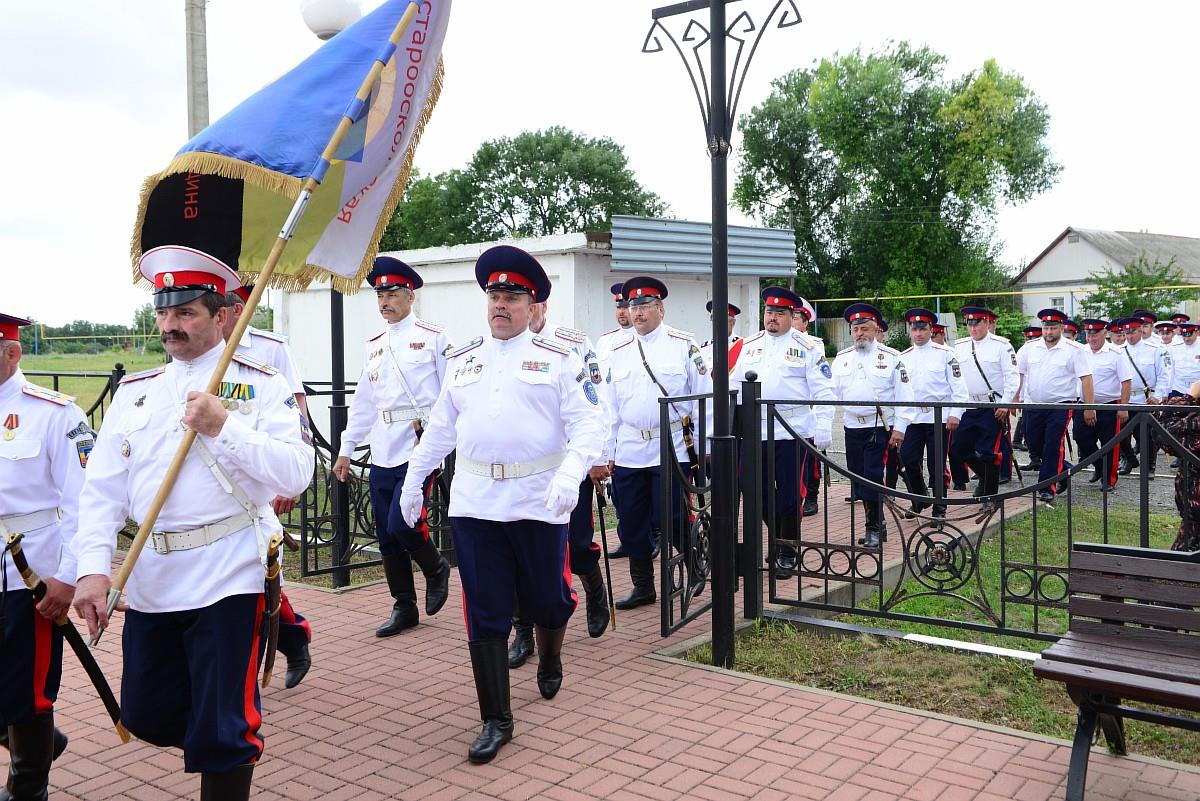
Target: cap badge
503	277
168	279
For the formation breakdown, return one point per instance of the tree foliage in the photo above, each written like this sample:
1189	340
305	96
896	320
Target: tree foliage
1119	292
533	184
891	173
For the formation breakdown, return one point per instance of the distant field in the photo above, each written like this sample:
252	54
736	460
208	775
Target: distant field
85	390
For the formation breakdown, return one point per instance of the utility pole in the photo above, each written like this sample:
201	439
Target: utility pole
197	66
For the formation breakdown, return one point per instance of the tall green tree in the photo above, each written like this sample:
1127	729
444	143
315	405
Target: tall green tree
1119	292
534	184
891	173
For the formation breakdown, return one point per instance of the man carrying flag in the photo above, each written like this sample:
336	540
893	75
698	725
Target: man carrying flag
192	638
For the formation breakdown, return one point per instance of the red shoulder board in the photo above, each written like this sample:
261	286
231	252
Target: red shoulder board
129	379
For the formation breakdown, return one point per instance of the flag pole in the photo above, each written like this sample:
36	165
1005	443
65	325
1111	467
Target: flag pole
353	113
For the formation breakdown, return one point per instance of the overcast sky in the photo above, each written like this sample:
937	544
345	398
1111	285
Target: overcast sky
94	100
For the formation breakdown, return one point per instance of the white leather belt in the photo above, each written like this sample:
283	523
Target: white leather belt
986	397
166	541
501	472
402	415
30	521
649	434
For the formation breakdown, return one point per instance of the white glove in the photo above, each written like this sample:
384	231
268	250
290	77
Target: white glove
562	495
411	501
822	441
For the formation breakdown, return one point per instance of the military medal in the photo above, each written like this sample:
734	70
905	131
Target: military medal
125	449
245	408
10	425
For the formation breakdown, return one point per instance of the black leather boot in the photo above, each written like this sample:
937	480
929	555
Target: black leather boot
596	603
550	671
989	481
233	785
398	570
60	741
31	750
915	482
489	663
437	576
642	573
875	528
297	667
522	644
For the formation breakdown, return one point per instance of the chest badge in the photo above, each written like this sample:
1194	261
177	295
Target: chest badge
125	449
140	401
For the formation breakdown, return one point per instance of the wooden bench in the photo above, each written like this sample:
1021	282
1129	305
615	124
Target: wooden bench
1134	637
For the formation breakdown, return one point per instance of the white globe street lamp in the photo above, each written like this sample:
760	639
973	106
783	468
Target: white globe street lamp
327	18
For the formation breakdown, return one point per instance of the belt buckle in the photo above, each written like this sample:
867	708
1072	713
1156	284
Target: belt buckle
161	544
646	434
497	471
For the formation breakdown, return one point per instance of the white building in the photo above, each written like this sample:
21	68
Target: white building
581	267
1058	277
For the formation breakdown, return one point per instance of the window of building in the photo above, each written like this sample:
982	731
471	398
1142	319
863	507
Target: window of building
1058	303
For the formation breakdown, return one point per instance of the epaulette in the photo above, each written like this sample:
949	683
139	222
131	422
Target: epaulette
615	330
377	336
34	391
620	345
541	341
268	335
845	350
889	349
461	349
675	332
802	339
434	327
998	338
571	334
748	340
153	371
253	365
910	347
940	346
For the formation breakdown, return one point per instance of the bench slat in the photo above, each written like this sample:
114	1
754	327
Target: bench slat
1147	567
1135	613
1138	589
1134	636
1120	684
1182	668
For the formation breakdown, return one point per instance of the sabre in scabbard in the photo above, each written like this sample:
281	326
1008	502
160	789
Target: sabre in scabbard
38	588
274	592
612	606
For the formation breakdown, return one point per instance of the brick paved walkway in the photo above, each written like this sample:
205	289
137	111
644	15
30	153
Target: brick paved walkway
392	718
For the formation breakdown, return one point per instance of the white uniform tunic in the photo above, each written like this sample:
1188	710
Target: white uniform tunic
605	342
1154	364
1110	368
267	347
411	351
1052	374
936	377
674	356
263	445
875	374
580	344
789	365
999	362
45	444
1185	367
511	401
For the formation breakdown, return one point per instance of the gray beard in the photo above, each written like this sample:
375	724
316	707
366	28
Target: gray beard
862	347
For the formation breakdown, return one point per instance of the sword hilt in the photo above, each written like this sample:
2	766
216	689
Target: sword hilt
114	598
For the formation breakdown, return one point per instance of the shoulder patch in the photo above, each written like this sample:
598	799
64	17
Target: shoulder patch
434	327
255	332
461	349
34	391
675	332
550	345
570	334
254	365
153	371
377	336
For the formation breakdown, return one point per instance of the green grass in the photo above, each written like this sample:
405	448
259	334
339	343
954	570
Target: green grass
86	390
1052	549
995	690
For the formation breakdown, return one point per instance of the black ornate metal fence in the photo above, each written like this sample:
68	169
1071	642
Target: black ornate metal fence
95	410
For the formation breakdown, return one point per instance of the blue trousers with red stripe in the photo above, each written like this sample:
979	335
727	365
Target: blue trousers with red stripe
866	449
1046	433
978	435
1091	438
395	536
792	464
637	494
190	681
30	660
497	559
585	553
918	441
294	630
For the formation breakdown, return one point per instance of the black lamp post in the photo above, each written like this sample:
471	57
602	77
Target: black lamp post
717	93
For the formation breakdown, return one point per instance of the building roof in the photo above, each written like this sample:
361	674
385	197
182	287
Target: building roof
655	246
1123	247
